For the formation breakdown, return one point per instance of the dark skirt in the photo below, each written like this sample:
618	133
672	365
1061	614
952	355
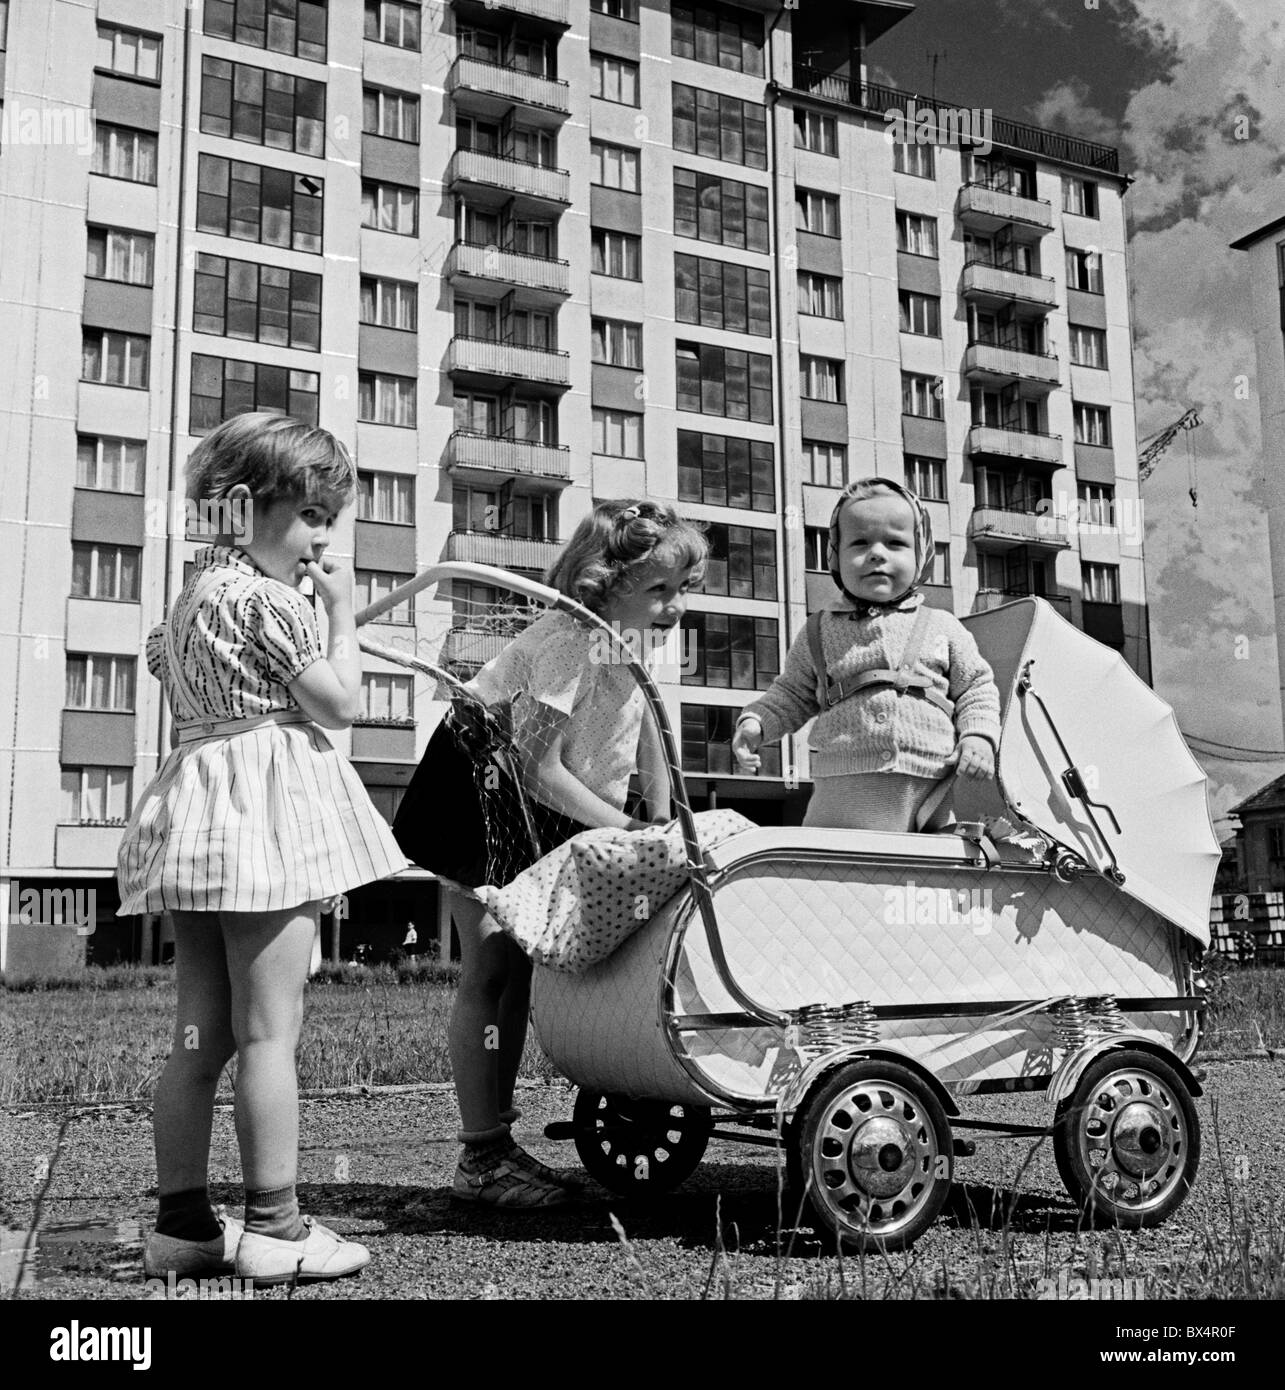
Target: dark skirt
463	817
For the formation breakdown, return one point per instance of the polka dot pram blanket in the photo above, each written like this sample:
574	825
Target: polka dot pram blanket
575	906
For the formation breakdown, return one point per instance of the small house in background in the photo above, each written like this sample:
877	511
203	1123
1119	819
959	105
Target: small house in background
1261	839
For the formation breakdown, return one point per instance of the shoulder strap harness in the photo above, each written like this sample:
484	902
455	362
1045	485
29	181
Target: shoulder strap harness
903	679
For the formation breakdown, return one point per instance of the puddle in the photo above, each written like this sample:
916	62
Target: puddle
71	1247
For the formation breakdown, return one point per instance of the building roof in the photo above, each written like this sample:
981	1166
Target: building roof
1243	243
1266	798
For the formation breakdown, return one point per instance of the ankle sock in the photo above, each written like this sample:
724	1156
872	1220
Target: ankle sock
188	1215
274	1212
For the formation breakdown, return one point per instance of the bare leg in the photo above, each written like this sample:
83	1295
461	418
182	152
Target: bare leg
268	956
183	1109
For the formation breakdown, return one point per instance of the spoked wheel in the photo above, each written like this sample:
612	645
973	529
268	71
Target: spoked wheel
1127	1143
636	1147
876	1156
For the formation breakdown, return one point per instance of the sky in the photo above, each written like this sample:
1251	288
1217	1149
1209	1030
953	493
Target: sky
1167	82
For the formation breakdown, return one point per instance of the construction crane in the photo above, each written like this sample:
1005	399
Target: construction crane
1151	448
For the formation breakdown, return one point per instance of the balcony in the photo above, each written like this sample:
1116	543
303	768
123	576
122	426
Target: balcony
1007	527
486	357
995	361
1013	443
507	552
988	208
513	177
551	11
993	282
473	647
490	454
494	89
507	269
996	598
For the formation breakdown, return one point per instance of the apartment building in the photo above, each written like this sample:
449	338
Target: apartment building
521	255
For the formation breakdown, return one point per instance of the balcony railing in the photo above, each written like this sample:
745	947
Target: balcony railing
981	200
1011	442
511	175
995	359
1022	527
508	360
555	11
466	646
1006	283
508	267
1013	135
994	598
509	456
509	84
508	552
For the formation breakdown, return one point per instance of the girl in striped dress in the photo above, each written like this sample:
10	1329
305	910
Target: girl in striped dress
250	822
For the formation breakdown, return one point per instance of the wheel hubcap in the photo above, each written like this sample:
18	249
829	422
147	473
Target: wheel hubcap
1133	1139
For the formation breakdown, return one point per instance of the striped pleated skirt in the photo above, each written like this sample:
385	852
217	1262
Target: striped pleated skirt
259	821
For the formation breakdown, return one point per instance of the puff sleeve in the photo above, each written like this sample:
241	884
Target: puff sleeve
155	650
558	668
288	638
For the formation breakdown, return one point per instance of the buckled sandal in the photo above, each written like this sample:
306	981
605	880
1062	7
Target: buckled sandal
507	1184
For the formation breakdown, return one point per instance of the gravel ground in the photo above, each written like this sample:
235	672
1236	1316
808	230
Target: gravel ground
378	1168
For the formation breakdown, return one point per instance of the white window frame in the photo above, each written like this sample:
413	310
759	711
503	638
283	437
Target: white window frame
1099	583
119	669
617	433
389	203
816	212
386	698
124	49
136	249
616	247
614	166
107	570
926	476
1088	346
821	378
1092	424
391	497
121	152
80	785
136	357
1080	196
130	463
1097	503
940	572
920	313
918	390
820	296
401	105
372	585
398	296
915	231
616	342
816	132
824	463
389	399
910	157
407	17
613	79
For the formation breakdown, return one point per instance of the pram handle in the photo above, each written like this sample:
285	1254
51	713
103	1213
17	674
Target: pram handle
530	588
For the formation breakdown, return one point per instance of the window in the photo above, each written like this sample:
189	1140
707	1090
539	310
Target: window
388	497
719	126
732	651
1101	583
1097	503
390	207
820	378
372	585
128	54
1276	841
393	115
820	295
474	134
1084	271
477	318
939	574
102	682
253	203
717	294
724	381
613	166
926	477
260	303
95	796
530	237
916	234
921	395
616	9
524	516
480	44
383	399
110	465
707	742
616	253
386	699
616	343
723	472
613	79
1079	196
122	256
296	27
121	153
913	159
816	212
1000	174
1092	424
825	464
532	328
274	109
742	561
105	571
617	433
723	210
223	387
1088	346
816	549
114	359
388	303
391	21
718	34
920	313
1009	490
476	412
813	131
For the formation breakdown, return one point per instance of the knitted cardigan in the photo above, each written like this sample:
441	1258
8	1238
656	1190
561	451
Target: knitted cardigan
878	729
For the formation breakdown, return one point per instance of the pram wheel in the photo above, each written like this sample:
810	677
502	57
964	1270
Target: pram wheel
639	1146
876	1156
1127	1142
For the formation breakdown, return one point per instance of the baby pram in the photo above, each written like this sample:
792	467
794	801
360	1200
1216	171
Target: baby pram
841	992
